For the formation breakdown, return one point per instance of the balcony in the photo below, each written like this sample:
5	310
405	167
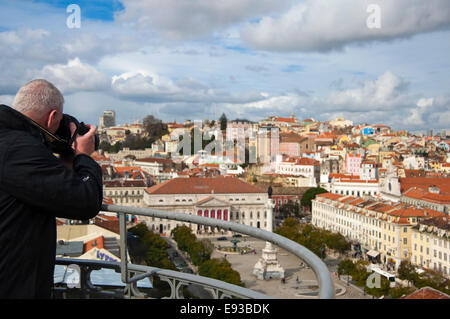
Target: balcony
131	274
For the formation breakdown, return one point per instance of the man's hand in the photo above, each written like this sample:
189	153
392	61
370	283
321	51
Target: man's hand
84	144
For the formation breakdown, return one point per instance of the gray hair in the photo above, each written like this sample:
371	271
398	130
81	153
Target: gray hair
38	97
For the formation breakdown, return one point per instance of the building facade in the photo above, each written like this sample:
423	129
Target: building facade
223	198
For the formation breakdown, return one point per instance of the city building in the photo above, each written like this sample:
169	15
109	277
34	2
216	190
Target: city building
383	229
224	198
353	164
299	166
107	119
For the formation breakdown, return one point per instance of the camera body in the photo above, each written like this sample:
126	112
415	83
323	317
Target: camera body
63	139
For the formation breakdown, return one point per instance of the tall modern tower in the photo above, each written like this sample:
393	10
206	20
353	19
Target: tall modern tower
108	119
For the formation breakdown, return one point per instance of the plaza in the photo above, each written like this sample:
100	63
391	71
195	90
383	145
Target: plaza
305	287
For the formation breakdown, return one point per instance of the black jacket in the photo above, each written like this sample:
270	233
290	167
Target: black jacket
35	187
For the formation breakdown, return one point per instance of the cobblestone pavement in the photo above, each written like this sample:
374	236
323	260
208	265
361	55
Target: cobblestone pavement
291	264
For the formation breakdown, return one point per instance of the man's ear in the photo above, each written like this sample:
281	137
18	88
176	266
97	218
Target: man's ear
52	121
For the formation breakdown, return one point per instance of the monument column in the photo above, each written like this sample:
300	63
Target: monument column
268	266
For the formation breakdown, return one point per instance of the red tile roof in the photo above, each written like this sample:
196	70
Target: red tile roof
427	293
285	119
414	212
121	183
427	196
206	185
425	182
329	196
154	160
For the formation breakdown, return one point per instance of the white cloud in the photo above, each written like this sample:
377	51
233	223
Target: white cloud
324	25
150	87
384	93
74	76
177	19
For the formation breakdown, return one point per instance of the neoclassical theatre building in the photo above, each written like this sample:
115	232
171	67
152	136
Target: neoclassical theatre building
223	198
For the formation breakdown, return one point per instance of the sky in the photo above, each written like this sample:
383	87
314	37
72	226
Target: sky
197	59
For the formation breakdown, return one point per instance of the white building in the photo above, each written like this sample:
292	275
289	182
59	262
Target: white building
297	166
368	170
353	186
224	198
414	162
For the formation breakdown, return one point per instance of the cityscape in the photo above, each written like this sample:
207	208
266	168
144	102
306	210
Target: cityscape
385	192
252	149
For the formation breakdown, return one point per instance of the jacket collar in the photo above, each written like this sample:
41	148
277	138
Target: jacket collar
10	119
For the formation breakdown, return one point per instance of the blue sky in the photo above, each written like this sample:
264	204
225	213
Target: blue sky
250	59
95	10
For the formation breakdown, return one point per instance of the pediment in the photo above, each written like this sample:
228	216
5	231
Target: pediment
211	201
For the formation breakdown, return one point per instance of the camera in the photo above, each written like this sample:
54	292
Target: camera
61	142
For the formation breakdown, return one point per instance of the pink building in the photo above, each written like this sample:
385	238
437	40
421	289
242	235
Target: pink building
353	164
291	144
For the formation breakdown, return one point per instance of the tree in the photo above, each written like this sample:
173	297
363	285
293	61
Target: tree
346	267
310	194
434	280
407	271
336	241
200	251
154	127
384	289
289	229
291	209
136	142
150	247
223	121
220	269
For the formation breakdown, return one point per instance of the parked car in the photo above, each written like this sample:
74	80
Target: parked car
237	236
222	238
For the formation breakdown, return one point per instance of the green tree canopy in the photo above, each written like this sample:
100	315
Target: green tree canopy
291	209
220	269
310	194
407	271
223	121
154	127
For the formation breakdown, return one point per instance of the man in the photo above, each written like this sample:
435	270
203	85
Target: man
36	187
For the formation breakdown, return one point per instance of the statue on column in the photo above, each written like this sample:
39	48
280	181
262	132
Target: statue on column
268	266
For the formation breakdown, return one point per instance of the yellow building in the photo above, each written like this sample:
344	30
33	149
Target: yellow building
374	149
446	168
431	245
434	165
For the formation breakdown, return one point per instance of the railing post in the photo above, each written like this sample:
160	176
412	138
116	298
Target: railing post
123	248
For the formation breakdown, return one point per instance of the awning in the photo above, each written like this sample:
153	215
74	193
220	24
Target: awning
373	253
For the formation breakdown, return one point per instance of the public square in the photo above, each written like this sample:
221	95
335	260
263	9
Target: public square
292	288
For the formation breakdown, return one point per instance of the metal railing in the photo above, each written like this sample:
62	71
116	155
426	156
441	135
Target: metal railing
176	280
131	274
320	269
